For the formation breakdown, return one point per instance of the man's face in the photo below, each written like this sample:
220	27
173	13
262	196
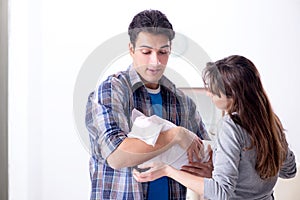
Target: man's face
150	57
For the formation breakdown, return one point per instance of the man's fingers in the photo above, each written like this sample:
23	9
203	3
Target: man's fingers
195	150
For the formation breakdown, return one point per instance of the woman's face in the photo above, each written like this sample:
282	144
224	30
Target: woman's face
223	103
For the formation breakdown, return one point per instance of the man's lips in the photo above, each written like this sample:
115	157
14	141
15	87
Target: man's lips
154	70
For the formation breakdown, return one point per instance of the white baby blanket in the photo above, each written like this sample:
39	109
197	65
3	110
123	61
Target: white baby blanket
148	129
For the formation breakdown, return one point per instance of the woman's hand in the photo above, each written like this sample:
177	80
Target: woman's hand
200	169
156	171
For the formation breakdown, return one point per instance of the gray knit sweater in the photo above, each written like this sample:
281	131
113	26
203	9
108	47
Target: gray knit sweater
234	175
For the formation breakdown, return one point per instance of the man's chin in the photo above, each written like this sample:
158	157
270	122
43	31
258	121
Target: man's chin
151	84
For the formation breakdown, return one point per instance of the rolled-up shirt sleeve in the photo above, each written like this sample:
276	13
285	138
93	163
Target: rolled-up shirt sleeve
106	120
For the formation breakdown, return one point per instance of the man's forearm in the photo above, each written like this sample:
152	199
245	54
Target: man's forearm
132	151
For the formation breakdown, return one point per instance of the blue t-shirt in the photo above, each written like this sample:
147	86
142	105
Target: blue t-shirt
159	188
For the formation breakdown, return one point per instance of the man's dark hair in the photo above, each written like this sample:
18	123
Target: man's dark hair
150	21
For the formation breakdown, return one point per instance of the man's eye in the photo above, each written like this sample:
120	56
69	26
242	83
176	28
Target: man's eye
163	52
146	52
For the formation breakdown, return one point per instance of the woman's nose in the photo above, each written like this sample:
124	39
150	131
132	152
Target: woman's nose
208	93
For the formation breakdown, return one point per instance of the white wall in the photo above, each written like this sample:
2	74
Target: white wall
50	40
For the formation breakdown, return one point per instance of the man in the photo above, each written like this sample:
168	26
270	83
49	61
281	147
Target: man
143	87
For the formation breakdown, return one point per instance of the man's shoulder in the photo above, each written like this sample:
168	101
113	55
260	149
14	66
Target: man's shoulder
185	97
119	78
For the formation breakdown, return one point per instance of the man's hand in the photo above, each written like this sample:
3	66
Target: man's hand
153	172
200	169
195	151
189	142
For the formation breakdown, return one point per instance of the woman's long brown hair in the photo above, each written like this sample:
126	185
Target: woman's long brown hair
238	78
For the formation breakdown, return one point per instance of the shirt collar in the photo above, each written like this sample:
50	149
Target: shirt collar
136	81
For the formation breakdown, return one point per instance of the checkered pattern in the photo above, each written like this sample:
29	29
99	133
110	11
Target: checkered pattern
108	119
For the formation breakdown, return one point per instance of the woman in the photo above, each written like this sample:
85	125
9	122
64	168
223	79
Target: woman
251	150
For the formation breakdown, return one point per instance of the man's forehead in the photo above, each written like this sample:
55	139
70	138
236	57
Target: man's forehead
150	38
152	47
152	41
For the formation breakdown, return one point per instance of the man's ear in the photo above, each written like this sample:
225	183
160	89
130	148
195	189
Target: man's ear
131	48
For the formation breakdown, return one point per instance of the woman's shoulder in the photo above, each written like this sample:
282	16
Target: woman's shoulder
229	128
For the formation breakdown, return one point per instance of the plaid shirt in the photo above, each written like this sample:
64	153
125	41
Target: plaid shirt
108	119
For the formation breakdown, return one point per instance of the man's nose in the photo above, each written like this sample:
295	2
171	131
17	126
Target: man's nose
154	59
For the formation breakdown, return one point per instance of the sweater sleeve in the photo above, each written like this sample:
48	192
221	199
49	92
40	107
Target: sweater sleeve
289	168
226	163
